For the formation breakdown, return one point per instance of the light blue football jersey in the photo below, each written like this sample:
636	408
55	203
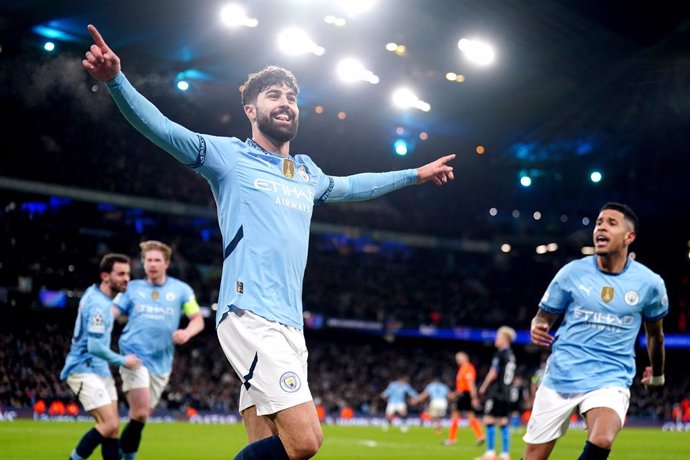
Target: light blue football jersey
395	392
595	344
154	313
94	320
437	390
264	205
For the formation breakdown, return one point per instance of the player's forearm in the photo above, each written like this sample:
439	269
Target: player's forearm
543	316
655	348
175	139
196	325
96	348
367	186
490	377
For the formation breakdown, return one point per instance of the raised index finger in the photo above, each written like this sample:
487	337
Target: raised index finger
96	36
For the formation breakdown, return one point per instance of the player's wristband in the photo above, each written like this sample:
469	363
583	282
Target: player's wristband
657	381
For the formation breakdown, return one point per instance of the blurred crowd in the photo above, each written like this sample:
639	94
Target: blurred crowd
347	369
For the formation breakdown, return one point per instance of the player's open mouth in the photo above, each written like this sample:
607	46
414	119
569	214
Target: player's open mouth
283	117
601	240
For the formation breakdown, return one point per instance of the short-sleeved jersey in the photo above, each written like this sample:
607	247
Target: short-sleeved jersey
437	391
504	364
154	313
603	312
466	374
94	320
396	392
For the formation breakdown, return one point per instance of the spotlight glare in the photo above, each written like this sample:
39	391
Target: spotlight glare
355	7
476	51
234	15
350	70
525	181
404	98
400	147
587	250
595	176
505	247
296	41
183	85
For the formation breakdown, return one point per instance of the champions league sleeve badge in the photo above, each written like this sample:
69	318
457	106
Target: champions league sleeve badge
97	324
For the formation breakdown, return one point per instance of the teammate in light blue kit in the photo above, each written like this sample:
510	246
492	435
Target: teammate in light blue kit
264	198
437	392
604	298
396	393
153	307
87	370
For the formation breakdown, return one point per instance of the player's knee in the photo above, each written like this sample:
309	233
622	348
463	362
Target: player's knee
140	414
109	427
307	446
603	440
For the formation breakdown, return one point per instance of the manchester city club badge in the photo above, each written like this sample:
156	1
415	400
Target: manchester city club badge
290	382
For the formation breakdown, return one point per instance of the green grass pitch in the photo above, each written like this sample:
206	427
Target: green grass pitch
26	439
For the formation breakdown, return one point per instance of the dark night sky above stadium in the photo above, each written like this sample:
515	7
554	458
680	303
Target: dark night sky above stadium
577	86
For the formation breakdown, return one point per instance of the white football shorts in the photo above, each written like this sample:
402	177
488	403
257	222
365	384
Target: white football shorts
269	358
93	391
438	407
396	408
142	378
551	411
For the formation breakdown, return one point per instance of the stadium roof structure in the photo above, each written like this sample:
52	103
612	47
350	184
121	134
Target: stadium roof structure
577	86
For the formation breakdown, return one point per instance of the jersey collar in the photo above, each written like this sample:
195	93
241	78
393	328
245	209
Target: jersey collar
628	262
253	144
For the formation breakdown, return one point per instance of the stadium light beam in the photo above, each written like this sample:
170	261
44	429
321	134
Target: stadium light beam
234	15
296	41
356	7
400	147
350	70
477	51
405	98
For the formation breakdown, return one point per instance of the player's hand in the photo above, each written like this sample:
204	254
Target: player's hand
475	403
180	337
438	171
539	333
132	362
101	62
647	379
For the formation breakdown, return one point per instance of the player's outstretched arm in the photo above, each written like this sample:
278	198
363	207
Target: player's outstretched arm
104	65
539	330
439	171
654	375
101	62
367	186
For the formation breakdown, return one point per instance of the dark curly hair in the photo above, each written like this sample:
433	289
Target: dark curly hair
265	78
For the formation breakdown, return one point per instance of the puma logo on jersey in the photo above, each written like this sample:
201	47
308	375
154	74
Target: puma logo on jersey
586	290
